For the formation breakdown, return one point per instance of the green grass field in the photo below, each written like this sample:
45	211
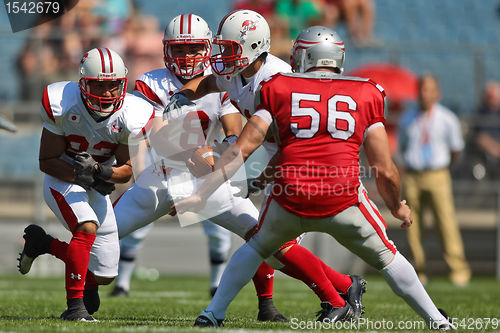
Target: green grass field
171	304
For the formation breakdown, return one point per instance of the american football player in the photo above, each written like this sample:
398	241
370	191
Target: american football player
242	63
187	47
84	150
326	195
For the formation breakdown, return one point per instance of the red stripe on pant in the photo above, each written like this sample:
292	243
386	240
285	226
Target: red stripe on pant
65	209
377	228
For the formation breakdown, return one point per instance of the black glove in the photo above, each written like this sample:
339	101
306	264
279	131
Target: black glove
103	187
103	172
84	169
252	186
177	101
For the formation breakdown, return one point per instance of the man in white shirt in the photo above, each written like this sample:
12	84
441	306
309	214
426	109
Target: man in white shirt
430	140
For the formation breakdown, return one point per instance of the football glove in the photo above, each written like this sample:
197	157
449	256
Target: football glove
252	186
177	101
84	169
103	187
103	172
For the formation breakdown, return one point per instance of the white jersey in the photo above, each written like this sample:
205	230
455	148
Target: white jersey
192	126
243	95
64	113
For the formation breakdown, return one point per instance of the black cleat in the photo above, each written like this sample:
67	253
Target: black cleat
268	312
332	314
354	295
91	300
445	325
37	242
76	311
207	319
118	292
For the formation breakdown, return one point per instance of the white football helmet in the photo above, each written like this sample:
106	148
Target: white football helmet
317	46
187	29
243	36
103	64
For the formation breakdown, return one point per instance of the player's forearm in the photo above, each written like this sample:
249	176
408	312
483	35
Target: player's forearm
199	87
58	168
121	174
389	187
230	161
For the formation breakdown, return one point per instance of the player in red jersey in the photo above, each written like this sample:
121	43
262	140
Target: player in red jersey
243	62
320	119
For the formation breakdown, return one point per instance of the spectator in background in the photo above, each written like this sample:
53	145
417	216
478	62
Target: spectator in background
487	131
298	14
430	140
359	16
281	41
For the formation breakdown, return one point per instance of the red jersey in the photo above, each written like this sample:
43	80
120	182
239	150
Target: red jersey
320	120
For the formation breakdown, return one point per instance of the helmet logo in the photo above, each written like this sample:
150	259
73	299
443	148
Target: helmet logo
248	25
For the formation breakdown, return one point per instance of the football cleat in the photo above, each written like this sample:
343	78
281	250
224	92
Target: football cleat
354	295
76	311
207	319
445	325
268	312
37	242
118	292
91	300
332	314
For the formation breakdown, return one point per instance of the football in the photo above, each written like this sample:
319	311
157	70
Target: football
202	161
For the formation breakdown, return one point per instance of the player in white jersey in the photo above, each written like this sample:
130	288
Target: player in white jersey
187	49
84	149
156	87
241	65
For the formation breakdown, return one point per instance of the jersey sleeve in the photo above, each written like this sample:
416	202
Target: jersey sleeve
376	106
226	106
263	94
145	92
48	117
139	126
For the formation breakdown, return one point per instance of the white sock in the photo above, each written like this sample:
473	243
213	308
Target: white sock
403	279
239	271
216	271
125	270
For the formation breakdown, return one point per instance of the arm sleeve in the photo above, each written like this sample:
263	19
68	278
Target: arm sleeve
139	131
264	115
226	106
376	105
48	118
143	91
